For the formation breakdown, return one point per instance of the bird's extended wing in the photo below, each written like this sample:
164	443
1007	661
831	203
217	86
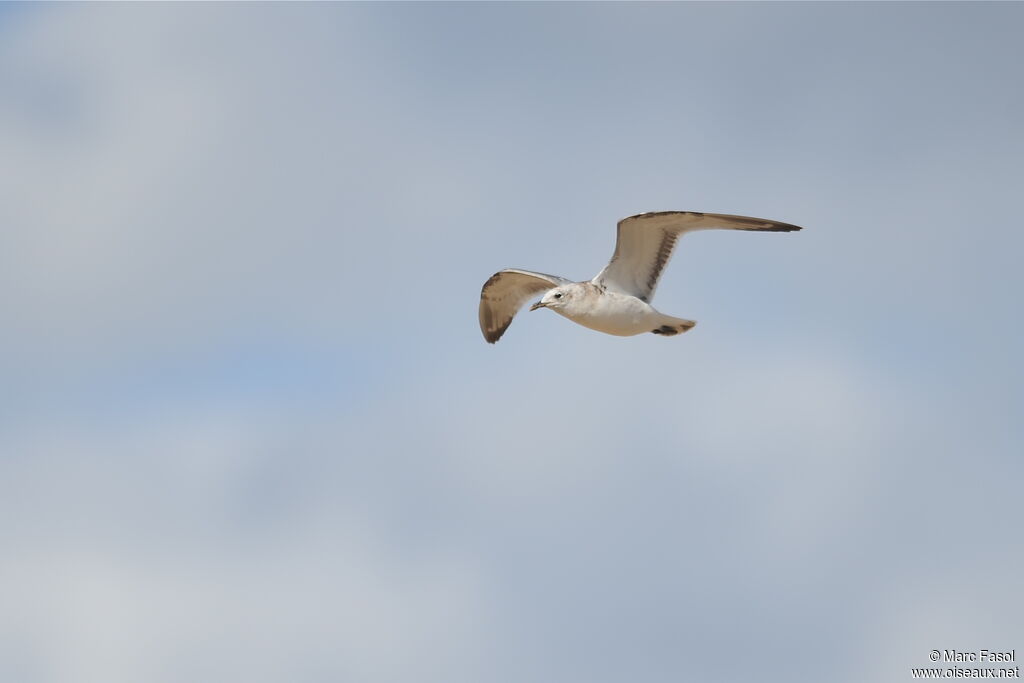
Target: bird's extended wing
505	293
645	243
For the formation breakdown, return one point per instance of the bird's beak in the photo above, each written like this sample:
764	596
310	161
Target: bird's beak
539	304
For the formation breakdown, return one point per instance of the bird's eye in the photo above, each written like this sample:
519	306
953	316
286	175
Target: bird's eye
558	296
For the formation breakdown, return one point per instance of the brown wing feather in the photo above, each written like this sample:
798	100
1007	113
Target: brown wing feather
505	293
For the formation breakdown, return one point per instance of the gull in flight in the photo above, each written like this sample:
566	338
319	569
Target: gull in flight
618	300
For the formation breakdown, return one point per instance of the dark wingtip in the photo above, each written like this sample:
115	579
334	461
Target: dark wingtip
493	336
773	227
758	224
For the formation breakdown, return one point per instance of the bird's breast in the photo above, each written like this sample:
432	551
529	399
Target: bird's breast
613	313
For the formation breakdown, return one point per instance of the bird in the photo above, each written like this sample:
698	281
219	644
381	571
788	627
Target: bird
617	300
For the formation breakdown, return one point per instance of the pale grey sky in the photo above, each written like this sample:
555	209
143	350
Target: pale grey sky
251	431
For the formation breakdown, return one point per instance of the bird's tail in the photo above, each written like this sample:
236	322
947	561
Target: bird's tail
670	326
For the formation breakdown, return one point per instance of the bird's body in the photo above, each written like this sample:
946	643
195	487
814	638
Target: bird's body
614	313
617	300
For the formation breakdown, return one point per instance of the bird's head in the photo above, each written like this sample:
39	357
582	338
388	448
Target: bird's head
555	298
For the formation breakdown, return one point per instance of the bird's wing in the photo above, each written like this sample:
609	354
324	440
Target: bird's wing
505	293
645	243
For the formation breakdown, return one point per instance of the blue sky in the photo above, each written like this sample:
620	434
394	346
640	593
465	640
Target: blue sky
252	432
